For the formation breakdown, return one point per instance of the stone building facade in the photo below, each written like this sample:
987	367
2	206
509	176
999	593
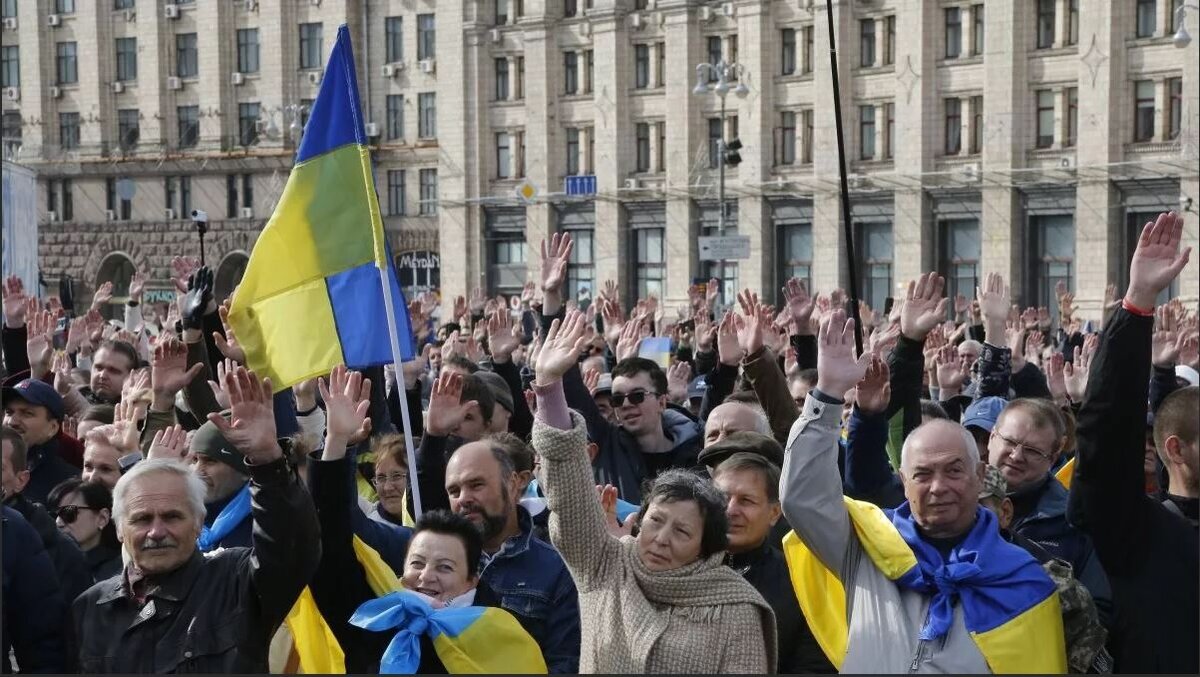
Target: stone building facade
1031	137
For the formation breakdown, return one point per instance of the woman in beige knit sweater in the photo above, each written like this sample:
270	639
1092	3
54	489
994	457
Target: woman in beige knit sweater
662	602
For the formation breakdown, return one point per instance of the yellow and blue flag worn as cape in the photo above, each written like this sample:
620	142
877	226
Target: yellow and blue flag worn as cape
312	295
1010	606
468	640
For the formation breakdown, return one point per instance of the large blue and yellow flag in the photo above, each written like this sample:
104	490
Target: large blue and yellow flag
312	297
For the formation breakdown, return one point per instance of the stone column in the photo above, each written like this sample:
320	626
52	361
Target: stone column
611	131
686	135
829	266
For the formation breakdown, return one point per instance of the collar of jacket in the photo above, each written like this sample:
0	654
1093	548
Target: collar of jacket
742	562
173	586
38	453
1051	502
213	510
515	545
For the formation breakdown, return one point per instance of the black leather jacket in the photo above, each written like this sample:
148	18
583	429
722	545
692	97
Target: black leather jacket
217	613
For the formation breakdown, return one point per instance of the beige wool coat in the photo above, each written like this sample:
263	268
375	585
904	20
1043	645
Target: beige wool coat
701	618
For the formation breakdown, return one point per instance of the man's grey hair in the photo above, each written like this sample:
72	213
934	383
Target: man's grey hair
195	486
762	424
970	449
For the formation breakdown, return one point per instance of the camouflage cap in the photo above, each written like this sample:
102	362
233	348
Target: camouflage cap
994	484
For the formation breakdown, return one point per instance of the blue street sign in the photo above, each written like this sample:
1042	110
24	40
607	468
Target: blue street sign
580	185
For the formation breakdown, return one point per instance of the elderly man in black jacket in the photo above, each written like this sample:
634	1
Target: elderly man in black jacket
175	610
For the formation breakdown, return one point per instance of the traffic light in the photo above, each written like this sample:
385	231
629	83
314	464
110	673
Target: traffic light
732	157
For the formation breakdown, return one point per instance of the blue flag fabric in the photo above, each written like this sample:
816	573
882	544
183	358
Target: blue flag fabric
231	515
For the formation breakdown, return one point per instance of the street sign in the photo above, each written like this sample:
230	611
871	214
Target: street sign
717	248
580	185
527	191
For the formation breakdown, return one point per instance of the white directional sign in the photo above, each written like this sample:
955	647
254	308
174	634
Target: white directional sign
716	248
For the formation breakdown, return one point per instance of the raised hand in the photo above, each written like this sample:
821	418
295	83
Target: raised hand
347	397
169	443
446	413
591	379
103	295
14	302
228	344
629	341
1029	318
198	299
126	420
679	375
76	333
704	331
837	369
169	372
712	292
554	270
1076	372
39	341
924	306
961	305
951	371
477	302
799	306
137	284
416	367
1056	379
61	366
750	328
1157	260
729	347
1033	346
1165	343
1014	338
608	502
502	336
874	392
251	424
183	267
994	306
866	314
93	323
227	366
883	340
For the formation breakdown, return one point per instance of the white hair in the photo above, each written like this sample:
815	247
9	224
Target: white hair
969	446
195	486
762	424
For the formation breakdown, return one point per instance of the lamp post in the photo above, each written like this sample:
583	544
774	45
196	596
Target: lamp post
722	73
1182	39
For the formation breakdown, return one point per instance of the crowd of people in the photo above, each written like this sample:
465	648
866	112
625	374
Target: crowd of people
983	488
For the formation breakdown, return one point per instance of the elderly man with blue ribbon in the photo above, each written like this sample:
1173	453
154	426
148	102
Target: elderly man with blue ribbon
929	586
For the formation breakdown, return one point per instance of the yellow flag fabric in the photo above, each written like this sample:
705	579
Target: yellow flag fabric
1066	473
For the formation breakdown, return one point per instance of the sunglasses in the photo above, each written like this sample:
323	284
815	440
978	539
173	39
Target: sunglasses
635	397
70	513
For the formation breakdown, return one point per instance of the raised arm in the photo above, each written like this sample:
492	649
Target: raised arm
577	525
811	487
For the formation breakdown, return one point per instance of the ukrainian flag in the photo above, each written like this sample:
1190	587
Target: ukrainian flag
312	297
657	348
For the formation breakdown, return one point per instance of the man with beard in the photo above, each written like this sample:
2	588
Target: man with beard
222	468
526	573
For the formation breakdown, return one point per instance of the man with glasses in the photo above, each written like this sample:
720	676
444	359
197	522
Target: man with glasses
1024	445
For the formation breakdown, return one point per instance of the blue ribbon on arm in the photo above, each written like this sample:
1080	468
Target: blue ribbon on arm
231	515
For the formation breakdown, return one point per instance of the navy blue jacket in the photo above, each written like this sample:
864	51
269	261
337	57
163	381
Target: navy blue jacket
46	469
242	534
34	609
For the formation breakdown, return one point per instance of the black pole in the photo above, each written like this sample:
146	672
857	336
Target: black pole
843	188
201	227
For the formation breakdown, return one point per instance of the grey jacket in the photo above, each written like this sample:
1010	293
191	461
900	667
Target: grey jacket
885	621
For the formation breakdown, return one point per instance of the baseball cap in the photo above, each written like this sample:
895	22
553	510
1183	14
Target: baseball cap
1188	374
499	387
37	392
745	441
604	385
208	441
697	387
994	484
983	412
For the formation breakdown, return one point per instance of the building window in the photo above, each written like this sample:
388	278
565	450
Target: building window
128	129
1072	116
8	8
123	4
661	160
713	47
396	187
1146	11
1053	258
501	12
866	132
1176	17
66	193
787	51
660	64
953	32
66	65
429	192
570	72
247	50
427	115
310	45
570	8
651	262
231	196
393	39
714	142
786	155
503	155
806	136
126	59
247	191
1143	110
1045	118
1072	22
508	260
572	151
1045	23
795	253
889	109
187	64
642	136
961	251
866	43
976	125
953	126
581	265
889	36
395	117
1174	107
121	208
169	191
248	114
11	132
641	66
68	130
64	6
589	69
806	63
501	69
426	37
977	28
10	66
189	125
876	246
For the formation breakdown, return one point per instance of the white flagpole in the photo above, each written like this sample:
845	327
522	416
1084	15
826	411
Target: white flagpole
403	394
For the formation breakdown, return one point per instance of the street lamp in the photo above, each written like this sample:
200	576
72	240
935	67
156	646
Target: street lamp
1182	39
724	73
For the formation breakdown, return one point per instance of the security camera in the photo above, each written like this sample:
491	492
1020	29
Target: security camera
1185	203
199	216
